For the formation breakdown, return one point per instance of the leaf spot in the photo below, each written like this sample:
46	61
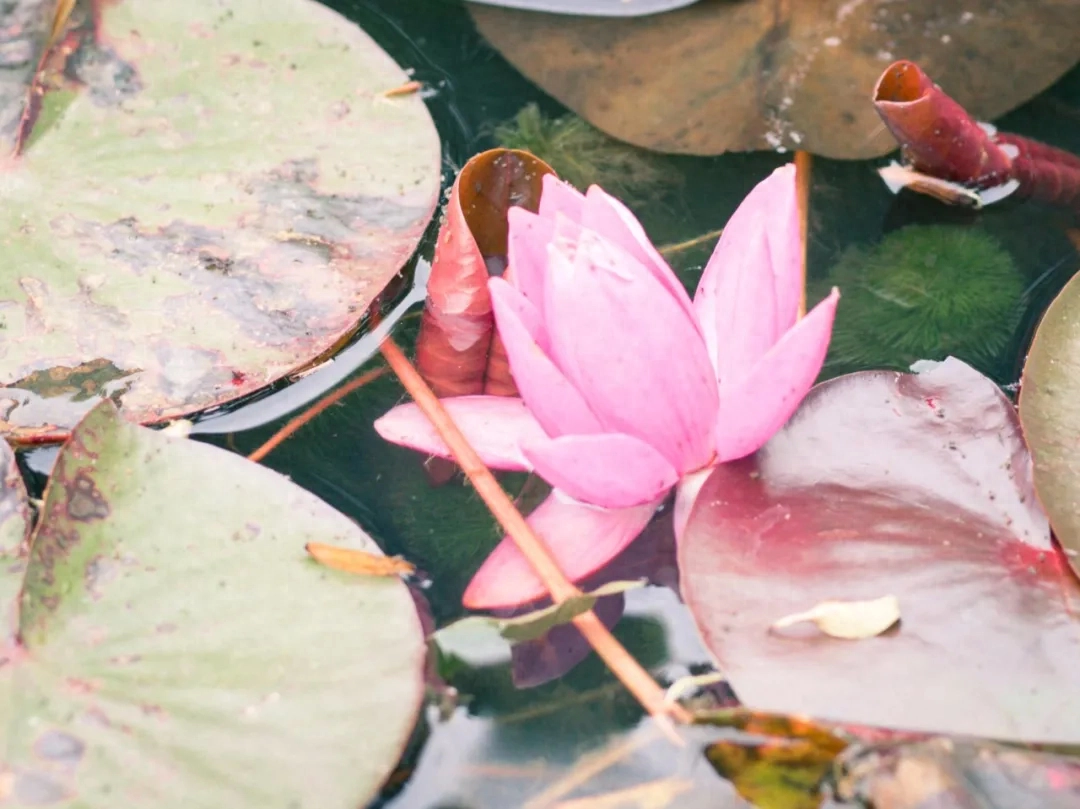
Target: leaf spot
84	501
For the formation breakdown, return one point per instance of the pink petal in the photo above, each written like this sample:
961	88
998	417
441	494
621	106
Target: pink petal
753	409
553	400
629	347
615	222
527	241
581	538
496	426
749	293
559	197
610	469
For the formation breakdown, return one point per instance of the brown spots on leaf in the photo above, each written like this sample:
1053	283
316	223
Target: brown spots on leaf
81	687
84	501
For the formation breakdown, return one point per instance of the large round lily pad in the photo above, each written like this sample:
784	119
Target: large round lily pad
917	486
763	74
1050	414
210	198
176	648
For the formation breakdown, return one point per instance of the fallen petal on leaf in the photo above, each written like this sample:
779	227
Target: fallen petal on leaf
851	620
359	562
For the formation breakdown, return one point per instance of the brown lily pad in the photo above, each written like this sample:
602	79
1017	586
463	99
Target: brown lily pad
210	198
782	74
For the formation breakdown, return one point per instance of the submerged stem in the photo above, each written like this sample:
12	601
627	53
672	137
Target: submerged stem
297	422
622	664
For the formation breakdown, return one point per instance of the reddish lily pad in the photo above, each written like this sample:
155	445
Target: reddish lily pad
1050	413
918	485
209	200
174	646
762	74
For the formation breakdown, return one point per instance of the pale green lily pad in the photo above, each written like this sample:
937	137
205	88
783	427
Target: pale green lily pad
210	199
1050	416
178	649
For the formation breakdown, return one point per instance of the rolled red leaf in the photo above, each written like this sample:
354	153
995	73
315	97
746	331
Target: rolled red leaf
940	139
457	351
937	135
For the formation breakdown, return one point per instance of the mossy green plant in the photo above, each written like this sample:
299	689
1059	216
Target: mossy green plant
924	292
583	155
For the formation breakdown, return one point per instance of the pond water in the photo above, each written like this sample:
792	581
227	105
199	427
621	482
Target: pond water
500	746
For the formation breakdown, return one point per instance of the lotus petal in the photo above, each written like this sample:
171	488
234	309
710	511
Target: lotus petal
613	470
553	399
753	409
614	221
496	426
581	538
749	294
630	381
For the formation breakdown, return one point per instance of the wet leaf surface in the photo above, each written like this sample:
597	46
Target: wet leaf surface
915	485
205	205
958	774
1050	414
176	656
761	74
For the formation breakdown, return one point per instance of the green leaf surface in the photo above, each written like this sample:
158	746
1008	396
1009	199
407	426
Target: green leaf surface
178	649
210	198
1050	416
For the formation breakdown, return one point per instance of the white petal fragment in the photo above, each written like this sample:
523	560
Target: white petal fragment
850	620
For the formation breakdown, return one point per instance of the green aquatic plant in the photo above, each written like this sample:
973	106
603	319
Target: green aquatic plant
924	292
583	155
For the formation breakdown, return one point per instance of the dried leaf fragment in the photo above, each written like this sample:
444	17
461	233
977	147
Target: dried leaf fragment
850	620
359	562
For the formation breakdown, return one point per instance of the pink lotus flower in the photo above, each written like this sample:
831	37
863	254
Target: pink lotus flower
629	388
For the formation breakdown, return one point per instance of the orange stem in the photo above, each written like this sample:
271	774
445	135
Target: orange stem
297	422
624	666
803	170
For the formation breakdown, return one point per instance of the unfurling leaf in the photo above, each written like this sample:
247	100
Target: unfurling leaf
850	620
359	562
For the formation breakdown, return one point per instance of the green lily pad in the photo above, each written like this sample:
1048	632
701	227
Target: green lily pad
175	648
209	200
1050	416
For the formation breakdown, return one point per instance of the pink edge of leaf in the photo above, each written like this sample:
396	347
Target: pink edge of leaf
581	538
494	425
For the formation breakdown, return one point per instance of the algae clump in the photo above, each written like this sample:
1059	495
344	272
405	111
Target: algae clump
924	292
583	155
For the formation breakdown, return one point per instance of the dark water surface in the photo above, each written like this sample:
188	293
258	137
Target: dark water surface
583	735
